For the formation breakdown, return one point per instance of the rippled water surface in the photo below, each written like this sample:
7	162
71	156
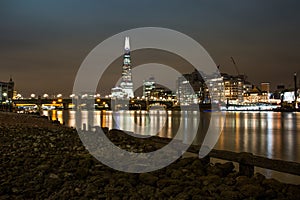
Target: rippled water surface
269	134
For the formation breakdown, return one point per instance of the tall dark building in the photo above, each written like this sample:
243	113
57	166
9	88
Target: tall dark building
6	90
265	87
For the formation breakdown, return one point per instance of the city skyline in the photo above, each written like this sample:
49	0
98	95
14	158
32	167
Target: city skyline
43	44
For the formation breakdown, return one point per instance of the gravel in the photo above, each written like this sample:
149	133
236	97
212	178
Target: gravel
45	160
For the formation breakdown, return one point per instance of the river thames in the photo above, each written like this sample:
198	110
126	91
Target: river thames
273	135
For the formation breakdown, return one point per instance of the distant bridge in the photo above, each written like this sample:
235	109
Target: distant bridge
100	103
40	102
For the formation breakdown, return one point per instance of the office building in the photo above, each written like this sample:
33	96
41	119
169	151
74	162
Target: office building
6	91
148	86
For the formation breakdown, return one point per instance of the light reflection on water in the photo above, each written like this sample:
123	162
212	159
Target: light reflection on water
269	134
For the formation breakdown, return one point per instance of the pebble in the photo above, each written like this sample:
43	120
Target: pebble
53	176
48	161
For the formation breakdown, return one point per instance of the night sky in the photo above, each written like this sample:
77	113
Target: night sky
43	43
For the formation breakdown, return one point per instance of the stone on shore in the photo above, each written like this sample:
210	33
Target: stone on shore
42	160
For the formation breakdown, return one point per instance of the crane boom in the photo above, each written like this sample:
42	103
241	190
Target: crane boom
236	68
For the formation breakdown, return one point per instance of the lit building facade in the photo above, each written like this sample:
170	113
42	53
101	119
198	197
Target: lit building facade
190	88
256	95
234	88
6	91
160	93
247	87
214	89
148	86
117	92
126	83
265	87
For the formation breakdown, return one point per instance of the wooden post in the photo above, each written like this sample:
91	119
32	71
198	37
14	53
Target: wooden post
246	169
205	160
65	105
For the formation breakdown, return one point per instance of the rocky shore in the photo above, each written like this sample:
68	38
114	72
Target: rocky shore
45	160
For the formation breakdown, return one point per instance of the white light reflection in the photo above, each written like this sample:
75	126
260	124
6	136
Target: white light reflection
270	135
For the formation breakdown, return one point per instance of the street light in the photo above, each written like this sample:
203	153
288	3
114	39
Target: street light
32	95
19	96
5	94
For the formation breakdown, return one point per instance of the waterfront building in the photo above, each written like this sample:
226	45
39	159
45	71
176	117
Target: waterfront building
161	93
231	89
148	86
117	92
247	87
126	82
6	91
190	88
289	96
214	89
256	95
15	94
265	86
234	88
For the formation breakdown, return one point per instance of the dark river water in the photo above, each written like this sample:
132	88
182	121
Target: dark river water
269	134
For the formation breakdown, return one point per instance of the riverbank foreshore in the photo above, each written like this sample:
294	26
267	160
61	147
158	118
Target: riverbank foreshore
45	160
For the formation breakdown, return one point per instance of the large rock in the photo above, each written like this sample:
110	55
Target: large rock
65	170
172	190
230	195
273	185
148	179
250	190
225	168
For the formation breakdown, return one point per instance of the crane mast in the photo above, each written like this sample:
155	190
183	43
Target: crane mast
236	68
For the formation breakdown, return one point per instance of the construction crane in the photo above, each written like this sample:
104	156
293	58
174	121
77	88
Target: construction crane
242	81
244	76
236	68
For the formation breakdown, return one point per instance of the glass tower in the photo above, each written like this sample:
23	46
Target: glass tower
126	83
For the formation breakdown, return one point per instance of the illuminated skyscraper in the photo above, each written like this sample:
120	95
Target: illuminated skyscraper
126	83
